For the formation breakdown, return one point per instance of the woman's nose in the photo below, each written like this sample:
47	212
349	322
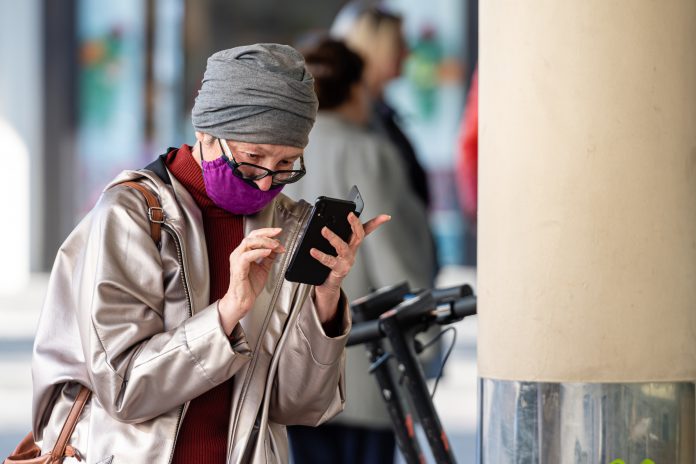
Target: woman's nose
265	183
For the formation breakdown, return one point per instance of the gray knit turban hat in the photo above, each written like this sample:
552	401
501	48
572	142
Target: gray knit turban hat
258	94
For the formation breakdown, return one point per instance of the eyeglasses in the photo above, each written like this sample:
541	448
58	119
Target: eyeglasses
252	172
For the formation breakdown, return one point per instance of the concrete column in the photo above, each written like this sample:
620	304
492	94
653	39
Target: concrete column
587	230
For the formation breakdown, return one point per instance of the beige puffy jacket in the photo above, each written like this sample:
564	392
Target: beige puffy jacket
134	324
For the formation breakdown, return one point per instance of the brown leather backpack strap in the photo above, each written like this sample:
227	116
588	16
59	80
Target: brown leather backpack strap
69	427
155	213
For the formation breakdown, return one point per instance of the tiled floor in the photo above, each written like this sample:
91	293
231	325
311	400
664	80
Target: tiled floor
455	398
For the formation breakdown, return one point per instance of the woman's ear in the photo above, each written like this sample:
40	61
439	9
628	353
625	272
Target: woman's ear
204	138
204	149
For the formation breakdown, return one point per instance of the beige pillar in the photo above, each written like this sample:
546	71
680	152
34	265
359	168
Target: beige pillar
587	191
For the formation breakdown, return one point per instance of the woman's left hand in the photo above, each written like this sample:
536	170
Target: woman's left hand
328	293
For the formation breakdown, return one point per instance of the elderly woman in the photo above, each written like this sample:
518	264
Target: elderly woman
193	346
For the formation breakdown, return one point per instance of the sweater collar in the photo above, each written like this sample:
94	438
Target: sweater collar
182	165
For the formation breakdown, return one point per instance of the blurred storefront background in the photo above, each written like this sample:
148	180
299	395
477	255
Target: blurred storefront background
89	88
430	97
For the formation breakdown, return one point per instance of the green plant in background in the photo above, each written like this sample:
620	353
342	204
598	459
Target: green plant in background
621	461
422	68
101	64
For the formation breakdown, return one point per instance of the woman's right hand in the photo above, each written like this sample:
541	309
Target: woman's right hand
250	264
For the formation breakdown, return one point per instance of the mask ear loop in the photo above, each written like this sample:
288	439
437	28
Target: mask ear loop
225	148
200	149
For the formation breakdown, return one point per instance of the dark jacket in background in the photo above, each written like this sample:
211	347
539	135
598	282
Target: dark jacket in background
386	120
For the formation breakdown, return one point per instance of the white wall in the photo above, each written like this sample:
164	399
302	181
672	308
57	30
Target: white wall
20	138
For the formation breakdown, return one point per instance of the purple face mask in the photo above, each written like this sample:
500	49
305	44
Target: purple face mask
232	193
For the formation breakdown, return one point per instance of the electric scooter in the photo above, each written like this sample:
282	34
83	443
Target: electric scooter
397	314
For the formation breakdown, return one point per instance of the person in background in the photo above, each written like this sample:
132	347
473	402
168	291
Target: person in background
343	150
193	346
376	35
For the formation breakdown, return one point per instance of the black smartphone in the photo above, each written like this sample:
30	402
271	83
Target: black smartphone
329	212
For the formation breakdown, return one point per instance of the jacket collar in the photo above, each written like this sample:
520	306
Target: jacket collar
159	167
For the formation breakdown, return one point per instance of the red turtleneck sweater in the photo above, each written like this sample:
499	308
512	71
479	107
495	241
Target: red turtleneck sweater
203	434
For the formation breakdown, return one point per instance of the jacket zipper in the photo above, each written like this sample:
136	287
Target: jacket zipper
274	298
180	258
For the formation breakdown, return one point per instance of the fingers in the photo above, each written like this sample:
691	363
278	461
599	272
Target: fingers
258	247
372	225
265	232
339	267
267	262
325	259
240	264
345	251
358	231
260	239
335	241
254	243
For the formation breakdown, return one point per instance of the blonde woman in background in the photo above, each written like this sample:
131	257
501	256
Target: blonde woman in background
376	35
